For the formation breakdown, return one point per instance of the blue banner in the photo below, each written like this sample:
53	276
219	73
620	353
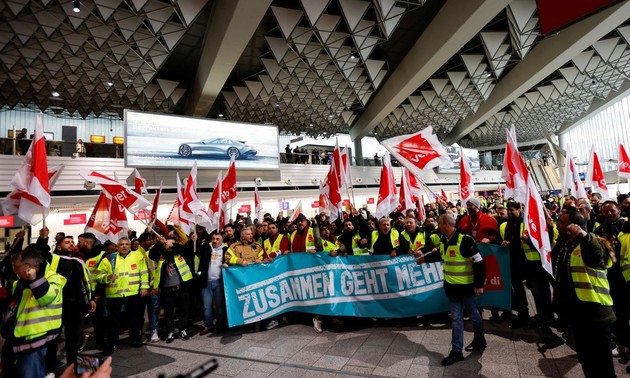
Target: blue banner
363	286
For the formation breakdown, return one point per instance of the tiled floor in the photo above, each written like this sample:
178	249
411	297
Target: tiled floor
412	350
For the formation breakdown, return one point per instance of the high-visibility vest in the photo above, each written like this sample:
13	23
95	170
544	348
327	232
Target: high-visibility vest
356	239
435	238
148	262
131	275
418	241
54	265
531	254
269	248
197	262
624	263
393	236
35	318
590	284
97	269
329	246
458	269
182	268
310	241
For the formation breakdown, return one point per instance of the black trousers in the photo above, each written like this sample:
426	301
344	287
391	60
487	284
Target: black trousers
538	282
592	344
72	321
171	297
114	307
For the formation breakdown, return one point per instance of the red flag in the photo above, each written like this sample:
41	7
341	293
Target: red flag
499	191
332	193
415	186
32	180
140	186
443	194
191	204
387	193
323	197
595	176
131	200
338	165
296	212
98	224
624	162
156	203
536	225
118	226
418	152
571	183
181	219
514	171
11	204
422	214
258	205
210	218
466	186
228	195
405	200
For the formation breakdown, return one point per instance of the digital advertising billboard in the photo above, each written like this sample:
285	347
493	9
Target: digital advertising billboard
454	153
166	141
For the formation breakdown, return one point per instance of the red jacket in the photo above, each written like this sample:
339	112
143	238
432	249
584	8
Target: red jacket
484	227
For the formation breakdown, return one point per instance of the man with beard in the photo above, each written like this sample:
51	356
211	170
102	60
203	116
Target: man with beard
525	265
482	227
612	223
302	239
353	241
229	234
415	239
385	240
77	301
624	202
582	292
276	243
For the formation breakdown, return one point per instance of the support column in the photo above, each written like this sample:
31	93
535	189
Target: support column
358	151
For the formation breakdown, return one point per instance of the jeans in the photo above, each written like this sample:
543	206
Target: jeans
213	290
457	303
152	304
31	363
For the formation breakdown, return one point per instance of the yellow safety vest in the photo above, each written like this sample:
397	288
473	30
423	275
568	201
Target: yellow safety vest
182	268
356	239
624	264
531	254
393	235
435	238
310	241
269	248
132	275
418	242
590	284
35	318
97	270
54	265
329	246
458	270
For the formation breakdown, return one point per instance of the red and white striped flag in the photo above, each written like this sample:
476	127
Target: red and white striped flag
131	200
406	198
98	224
595	176
515	172
296	212
536	225
258	205
466	185
571	183
31	182
387	193
418	152
624	162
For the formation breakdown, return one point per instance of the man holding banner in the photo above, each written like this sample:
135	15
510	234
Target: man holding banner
464	277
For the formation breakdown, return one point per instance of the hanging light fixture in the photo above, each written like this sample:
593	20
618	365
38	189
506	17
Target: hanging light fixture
76	6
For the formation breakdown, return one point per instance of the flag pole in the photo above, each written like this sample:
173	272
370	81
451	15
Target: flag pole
43	218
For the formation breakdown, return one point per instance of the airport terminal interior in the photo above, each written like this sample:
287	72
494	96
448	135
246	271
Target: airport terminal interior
130	87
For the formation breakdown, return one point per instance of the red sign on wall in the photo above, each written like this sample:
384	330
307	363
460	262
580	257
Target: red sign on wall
314	204
7	221
75	219
142	215
370	201
245	208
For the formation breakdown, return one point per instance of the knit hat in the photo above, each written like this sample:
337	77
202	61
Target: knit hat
475	202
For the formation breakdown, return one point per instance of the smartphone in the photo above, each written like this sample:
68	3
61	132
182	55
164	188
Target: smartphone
87	363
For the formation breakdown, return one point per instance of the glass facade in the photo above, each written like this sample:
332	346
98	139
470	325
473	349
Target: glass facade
605	130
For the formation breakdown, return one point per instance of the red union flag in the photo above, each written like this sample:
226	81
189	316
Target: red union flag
387	194
228	187
405	200
571	183
595	176
536	225
140	184
131	200
258	205
156	203
98	224
514	171
466	186
418	152
624	162
296	212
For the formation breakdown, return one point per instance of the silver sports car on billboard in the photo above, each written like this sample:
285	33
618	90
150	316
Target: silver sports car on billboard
218	146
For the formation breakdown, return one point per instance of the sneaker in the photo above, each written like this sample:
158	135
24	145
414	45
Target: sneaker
50	375
170	338
154	337
183	335
317	325
272	324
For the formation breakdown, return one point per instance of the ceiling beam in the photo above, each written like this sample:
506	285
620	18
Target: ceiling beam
544	59
455	24
230	28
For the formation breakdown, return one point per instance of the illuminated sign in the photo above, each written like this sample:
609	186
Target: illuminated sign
97	138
